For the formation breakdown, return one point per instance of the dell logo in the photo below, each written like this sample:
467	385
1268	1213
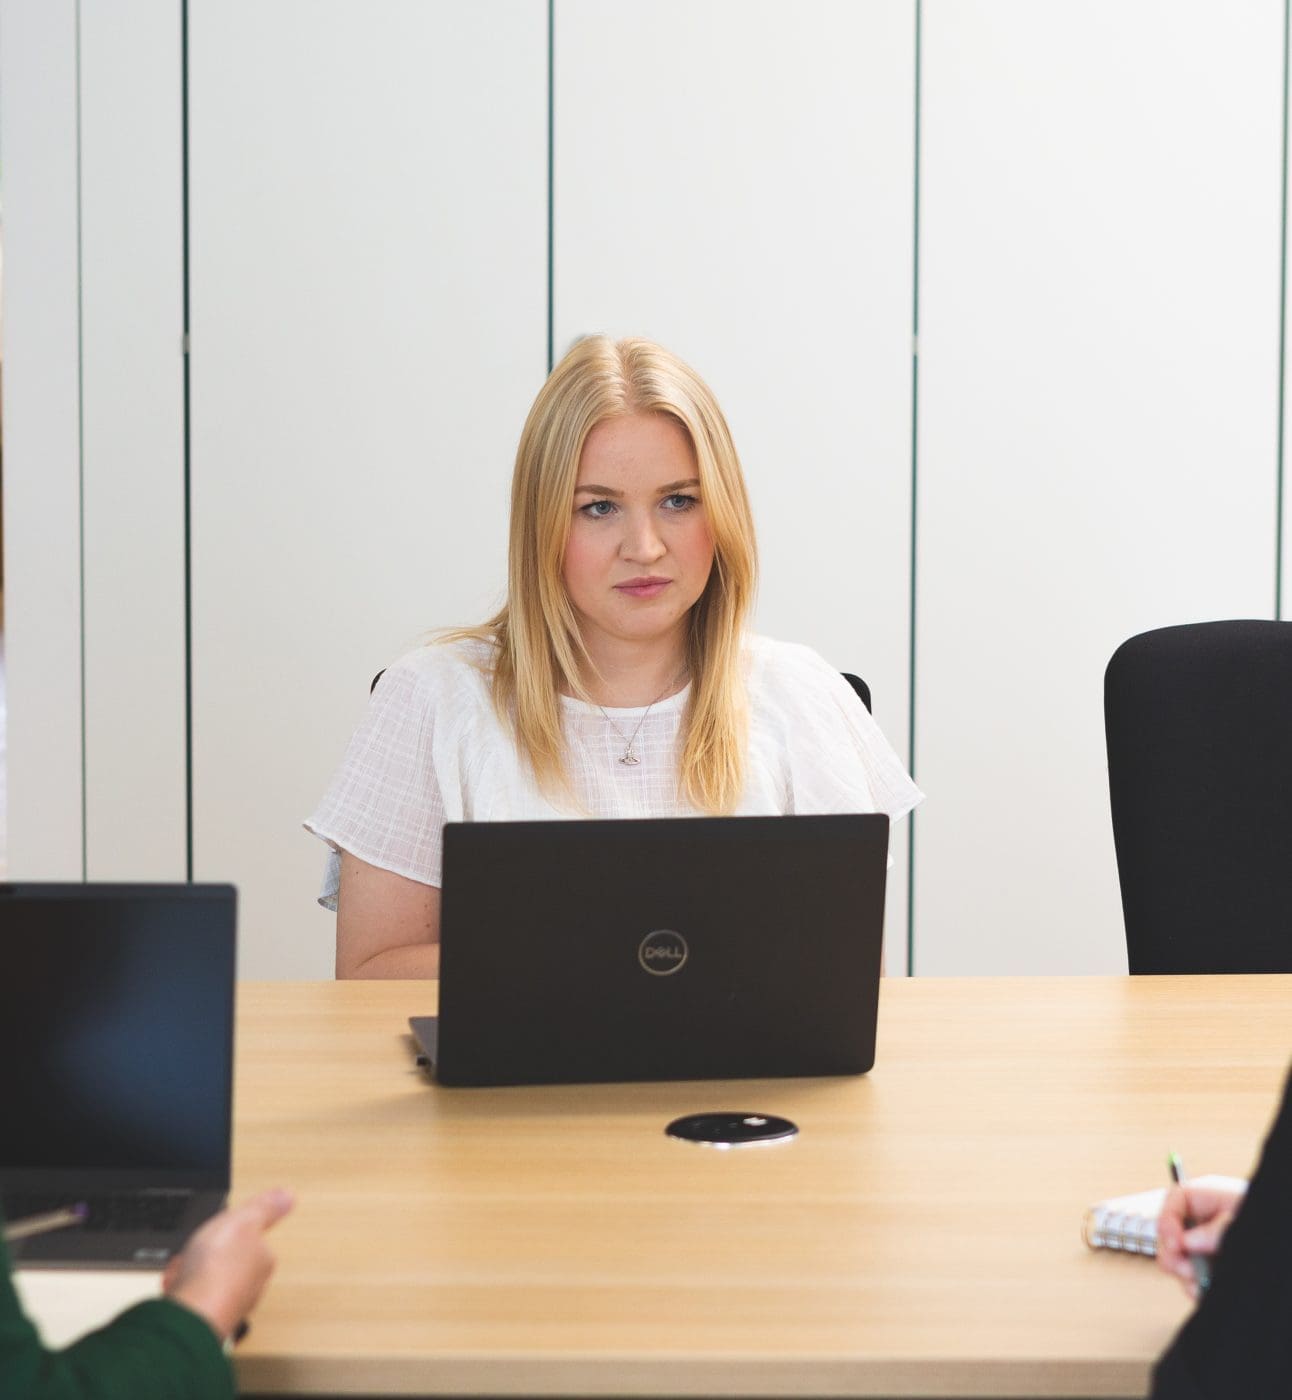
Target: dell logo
662	952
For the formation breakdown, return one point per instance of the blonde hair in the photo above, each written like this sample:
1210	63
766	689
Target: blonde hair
539	647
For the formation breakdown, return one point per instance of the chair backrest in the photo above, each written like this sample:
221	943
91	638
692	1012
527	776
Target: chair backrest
860	686
1198	721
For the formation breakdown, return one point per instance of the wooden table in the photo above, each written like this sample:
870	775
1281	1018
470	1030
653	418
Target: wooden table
919	1237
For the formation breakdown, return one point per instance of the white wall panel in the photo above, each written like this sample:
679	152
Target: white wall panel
132	298
735	180
1097	425
42	461
368	250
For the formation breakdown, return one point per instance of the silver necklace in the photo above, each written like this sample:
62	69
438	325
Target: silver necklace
629	757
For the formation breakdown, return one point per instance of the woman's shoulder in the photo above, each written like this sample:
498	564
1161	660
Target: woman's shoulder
837	757
454	668
789	669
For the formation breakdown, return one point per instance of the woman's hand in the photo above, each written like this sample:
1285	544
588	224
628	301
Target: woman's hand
1210	1211
225	1266
386	925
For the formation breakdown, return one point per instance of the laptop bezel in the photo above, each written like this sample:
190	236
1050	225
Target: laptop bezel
54	1179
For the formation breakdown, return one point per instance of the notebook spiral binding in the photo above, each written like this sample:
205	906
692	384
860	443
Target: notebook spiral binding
1129	1223
1127	1231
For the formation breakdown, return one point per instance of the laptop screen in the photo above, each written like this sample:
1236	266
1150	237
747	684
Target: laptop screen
116	1028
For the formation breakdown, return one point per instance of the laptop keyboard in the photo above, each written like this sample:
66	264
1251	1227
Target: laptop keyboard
127	1212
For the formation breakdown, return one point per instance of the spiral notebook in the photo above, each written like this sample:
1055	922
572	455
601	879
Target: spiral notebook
1129	1223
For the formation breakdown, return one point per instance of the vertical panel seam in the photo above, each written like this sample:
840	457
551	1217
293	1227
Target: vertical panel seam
80	441
188	515
915	399
1283	303
551	179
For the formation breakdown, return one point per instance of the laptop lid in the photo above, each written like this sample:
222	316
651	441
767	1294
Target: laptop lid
691	948
116	1035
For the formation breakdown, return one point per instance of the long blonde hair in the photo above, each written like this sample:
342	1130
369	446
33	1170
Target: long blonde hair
539	647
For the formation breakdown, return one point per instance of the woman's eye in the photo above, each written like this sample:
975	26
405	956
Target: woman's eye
598	510
679	501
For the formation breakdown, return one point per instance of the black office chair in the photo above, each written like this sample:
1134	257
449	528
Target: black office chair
860	686
1199	727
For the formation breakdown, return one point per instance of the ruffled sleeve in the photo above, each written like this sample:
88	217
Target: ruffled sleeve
836	758
385	803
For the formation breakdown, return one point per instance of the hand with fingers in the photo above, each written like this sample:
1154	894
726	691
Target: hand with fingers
1193	1222
224	1267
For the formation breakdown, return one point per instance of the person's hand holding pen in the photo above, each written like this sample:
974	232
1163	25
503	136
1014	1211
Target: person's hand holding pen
1190	1229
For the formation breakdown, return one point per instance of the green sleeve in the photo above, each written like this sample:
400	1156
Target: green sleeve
157	1350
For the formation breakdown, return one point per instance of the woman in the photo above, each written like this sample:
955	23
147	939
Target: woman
169	1348
618	680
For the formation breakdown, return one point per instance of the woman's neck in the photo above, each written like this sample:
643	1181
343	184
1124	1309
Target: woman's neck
624	676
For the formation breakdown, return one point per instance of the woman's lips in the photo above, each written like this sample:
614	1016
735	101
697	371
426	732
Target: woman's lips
643	587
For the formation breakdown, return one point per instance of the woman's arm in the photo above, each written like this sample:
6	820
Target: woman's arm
1236	1343
386	925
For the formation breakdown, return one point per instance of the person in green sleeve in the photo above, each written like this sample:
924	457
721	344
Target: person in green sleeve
168	1348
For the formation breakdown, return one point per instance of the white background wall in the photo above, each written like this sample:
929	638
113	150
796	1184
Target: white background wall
368	233
1098	446
42	438
132	414
1094	449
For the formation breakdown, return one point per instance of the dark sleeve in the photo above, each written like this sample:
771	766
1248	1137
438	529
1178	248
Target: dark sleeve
1239	1341
157	1350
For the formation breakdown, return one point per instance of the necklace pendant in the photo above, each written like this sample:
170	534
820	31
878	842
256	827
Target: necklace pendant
630	758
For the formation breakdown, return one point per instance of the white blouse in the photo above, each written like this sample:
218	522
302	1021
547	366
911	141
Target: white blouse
431	749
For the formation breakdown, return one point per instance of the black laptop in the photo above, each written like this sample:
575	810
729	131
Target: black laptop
695	948
116	1065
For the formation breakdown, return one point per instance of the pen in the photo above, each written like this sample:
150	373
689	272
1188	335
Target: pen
234	1337
1200	1264
42	1224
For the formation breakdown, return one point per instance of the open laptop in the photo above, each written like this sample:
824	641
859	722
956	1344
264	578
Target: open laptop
692	948
116	1065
